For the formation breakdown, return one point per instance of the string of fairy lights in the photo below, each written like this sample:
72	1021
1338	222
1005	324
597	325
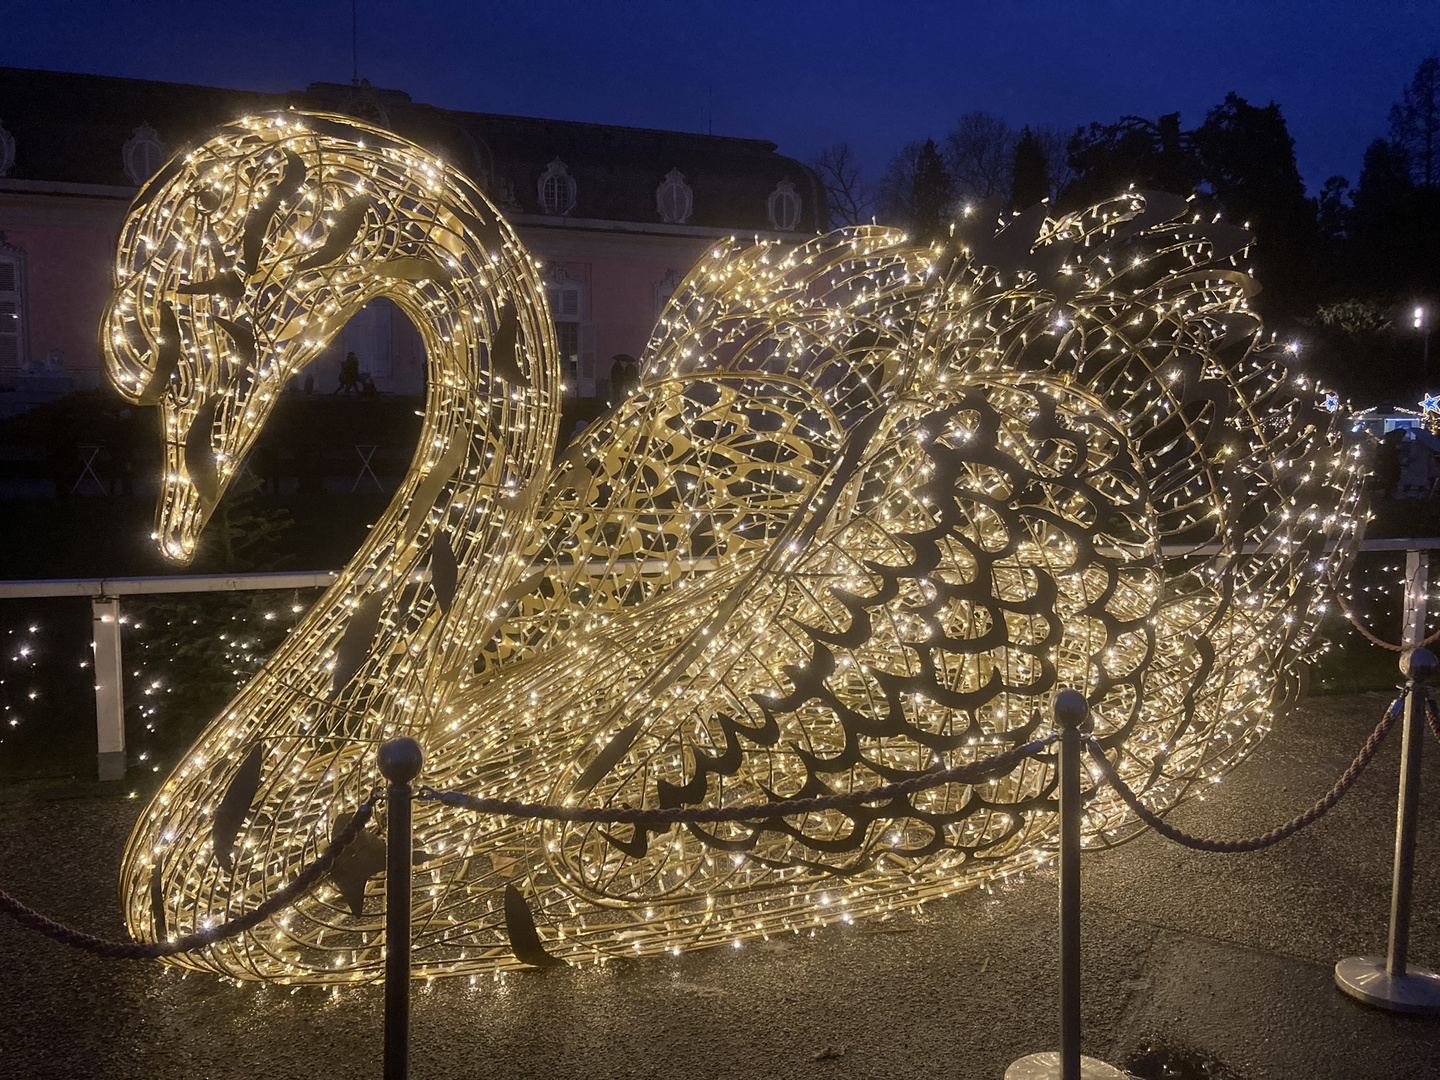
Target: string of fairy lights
872	504
203	649
23	650
33	666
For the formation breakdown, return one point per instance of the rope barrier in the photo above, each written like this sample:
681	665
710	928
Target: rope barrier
681	815
1280	832
153	950
1370	637
963	774
967	773
1432	717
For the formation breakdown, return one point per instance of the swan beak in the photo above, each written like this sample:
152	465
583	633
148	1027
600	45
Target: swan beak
179	517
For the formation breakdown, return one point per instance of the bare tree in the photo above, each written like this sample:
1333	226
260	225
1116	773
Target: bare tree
979	152
850	197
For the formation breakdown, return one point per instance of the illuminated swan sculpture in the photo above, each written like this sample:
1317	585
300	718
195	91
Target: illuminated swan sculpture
873	503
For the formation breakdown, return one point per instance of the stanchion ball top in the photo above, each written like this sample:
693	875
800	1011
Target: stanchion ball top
1071	709
1418	664
401	760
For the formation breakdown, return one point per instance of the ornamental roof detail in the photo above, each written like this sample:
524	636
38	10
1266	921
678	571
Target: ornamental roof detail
74	129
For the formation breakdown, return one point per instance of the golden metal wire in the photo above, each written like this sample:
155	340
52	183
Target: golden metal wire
872	503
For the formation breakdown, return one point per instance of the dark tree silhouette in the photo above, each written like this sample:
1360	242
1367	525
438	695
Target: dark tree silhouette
1378	231
1335	267
1395	226
1333	216
1108	158
1384	186
1415	123
1055	145
917	191
1030	175
1247	159
934	193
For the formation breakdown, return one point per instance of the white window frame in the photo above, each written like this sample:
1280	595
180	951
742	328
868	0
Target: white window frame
784	193
13	259
665	289
143	154
567	298
674	186
558	173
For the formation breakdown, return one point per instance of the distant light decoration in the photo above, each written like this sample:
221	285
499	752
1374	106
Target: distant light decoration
1332	402
871	505
1430	413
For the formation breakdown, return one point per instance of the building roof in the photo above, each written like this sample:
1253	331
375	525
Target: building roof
70	128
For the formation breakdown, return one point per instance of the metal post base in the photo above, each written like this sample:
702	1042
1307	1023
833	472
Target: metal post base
1364	978
112	766
1046	1066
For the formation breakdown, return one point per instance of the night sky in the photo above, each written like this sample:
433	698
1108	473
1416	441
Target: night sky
803	74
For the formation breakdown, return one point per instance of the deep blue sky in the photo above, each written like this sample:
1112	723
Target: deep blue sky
803	74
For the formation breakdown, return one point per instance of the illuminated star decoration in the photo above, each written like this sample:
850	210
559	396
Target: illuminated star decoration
1332	402
872	504
1430	403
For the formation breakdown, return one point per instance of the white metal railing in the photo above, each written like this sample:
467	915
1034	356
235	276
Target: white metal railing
104	594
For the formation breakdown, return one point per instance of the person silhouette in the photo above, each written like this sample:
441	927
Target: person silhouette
624	377
349	375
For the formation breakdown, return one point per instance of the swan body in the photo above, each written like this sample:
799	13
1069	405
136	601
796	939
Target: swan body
872	504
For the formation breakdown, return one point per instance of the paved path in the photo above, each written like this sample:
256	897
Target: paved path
1224	959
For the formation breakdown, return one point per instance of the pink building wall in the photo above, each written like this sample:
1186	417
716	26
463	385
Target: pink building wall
69	242
620	273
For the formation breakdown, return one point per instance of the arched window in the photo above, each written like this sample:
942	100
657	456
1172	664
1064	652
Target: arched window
783	206
674	199
143	154
557	189
12	313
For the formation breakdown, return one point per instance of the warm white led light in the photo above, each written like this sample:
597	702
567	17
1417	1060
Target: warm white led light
872	504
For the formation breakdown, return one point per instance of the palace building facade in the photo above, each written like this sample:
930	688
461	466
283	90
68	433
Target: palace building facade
615	215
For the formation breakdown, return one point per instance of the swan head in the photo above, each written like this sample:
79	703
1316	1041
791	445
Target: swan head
237	264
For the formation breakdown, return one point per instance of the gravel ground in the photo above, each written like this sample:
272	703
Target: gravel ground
1195	965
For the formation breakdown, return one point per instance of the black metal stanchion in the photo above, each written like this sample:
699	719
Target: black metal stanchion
1071	713
400	761
1389	981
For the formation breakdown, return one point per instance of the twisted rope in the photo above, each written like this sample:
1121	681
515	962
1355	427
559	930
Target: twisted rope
152	950
1275	835
1368	636
1432	717
677	815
